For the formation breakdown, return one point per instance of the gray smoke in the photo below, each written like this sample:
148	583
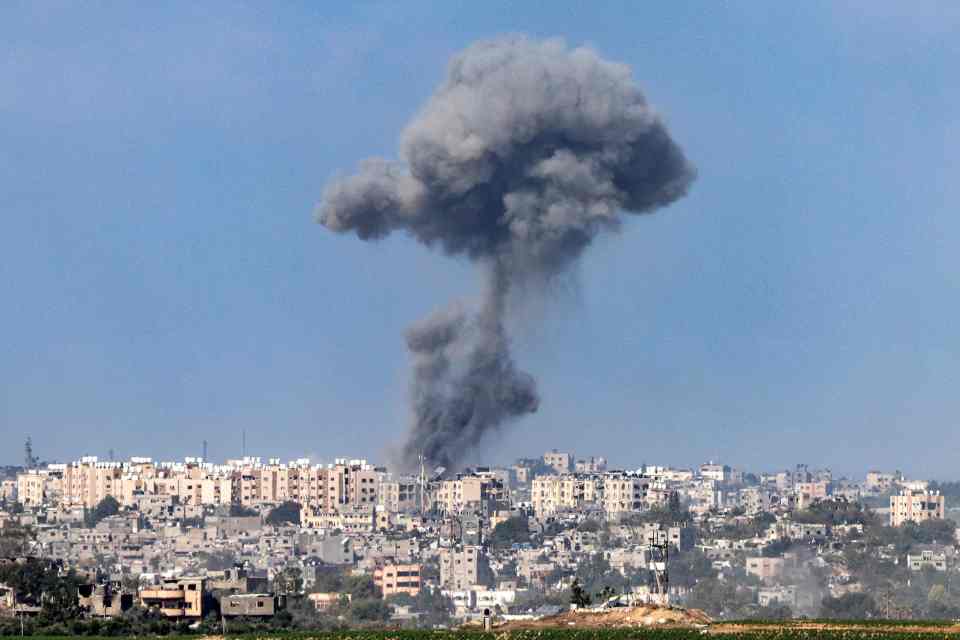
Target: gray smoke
523	155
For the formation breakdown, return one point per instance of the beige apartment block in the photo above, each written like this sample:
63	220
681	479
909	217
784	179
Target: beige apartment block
880	481
623	493
175	597
461	568
593	464
916	506
400	495
453	496
560	462
39	487
550	494
398	578
8	490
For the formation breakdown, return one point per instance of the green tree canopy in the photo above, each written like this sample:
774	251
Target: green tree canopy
509	532
285	513
850	606
104	509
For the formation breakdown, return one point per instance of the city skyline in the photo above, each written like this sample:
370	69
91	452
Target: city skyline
165	284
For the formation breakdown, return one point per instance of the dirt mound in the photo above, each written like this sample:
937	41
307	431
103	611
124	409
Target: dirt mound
639	616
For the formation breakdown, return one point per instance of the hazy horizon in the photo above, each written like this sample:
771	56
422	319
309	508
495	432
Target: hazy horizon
165	282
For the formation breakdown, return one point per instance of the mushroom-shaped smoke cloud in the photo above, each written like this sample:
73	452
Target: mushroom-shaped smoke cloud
523	155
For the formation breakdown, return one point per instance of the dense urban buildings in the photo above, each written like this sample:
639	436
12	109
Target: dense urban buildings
254	539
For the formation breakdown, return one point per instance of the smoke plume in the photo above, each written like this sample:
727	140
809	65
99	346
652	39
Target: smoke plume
523	155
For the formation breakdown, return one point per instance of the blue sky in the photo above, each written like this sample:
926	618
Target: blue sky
163	281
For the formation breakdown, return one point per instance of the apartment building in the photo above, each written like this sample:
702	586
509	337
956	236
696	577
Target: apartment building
623	493
397	578
38	487
248	482
616	492
463	567
399	495
551	494
473	491
8	490
558	461
593	464
882	481
916	506
175	597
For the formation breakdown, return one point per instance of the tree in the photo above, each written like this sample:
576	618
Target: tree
104	509
434	607
370	610
509	532
285	513
850	606
15	541
578	596
289	581
360	587
217	560
240	511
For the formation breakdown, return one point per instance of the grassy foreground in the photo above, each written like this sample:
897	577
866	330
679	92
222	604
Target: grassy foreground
806	630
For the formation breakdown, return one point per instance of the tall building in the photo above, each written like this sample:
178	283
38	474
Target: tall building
916	506
559	461
463	567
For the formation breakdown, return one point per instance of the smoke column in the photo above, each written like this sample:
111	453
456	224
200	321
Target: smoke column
523	155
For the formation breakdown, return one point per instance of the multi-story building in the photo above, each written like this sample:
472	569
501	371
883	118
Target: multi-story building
470	491
175	597
550	494
593	464
399	495
882	481
463	567
559	461
916	506
615	492
38	487
624	493
398	578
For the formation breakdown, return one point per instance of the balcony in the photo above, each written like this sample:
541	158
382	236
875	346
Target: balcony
161	594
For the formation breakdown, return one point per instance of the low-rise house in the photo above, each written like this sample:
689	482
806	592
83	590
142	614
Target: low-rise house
260	605
327	600
103	600
927	559
766	569
175	597
769	596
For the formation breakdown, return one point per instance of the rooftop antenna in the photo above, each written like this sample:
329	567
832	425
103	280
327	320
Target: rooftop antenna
29	460
660	559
